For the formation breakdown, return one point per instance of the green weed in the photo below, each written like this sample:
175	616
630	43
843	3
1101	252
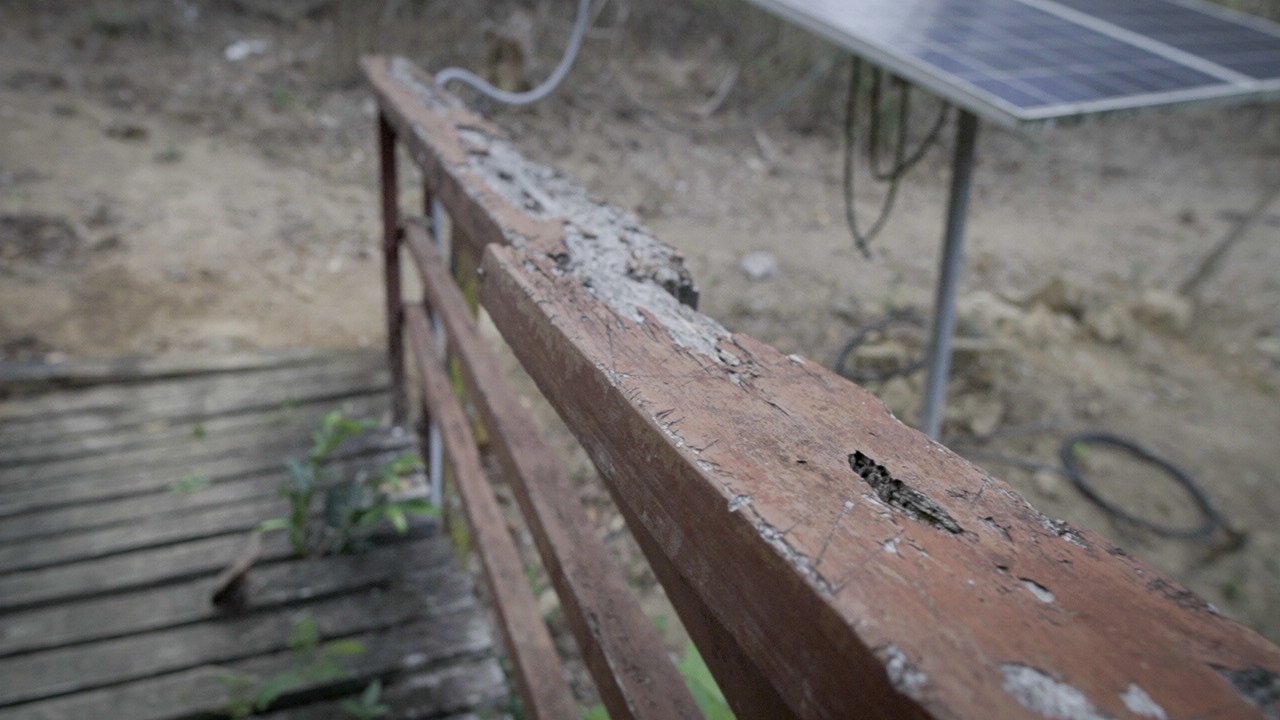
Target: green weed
369	705
190	484
312	662
282	100
701	684
351	508
169	155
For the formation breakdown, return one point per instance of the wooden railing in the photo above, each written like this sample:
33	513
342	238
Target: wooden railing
827	560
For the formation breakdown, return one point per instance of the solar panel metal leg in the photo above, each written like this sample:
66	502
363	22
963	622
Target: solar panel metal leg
944	316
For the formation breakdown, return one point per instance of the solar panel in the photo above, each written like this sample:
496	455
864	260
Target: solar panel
1028	61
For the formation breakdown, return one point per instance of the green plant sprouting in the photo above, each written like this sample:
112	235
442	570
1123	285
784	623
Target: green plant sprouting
706	692
351	508
369	705
312	662
703	685
190	484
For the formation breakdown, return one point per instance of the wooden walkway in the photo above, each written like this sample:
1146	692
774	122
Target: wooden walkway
106	568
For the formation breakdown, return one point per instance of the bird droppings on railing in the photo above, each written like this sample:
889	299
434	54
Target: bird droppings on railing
1140	703
903	675
615	258
1040	693
1042	593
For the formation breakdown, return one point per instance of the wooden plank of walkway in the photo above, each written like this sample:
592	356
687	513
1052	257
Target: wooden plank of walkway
185	602
448	637
265	456
299	415
147	532
276	390
76	668
119	573
26	378
143	399
106	574
114	512
429	694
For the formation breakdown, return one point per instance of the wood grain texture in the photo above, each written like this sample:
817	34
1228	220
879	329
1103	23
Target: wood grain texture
106	574
130	571
539	672
396	653
944	595
210	393
24	378
65	670
270	585
261	456
300	415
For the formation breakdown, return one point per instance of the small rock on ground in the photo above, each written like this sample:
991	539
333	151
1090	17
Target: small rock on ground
1164	310
760	265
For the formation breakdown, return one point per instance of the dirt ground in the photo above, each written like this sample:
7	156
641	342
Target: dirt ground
159	195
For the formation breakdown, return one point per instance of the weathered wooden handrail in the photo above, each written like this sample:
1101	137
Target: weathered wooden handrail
828	560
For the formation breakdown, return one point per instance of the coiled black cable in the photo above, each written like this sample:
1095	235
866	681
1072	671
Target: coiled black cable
1068	452
903	161
1212	517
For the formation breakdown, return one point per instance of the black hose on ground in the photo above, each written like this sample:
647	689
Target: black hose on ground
1213	518
864	377
1068	453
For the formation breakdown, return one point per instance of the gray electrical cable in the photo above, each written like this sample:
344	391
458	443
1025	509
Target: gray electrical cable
902	161
483	87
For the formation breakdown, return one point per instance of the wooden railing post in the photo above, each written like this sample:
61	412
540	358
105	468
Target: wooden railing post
434	214
391	264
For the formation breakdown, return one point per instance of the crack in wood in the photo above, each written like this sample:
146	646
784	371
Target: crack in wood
897	494
1257	685
798	560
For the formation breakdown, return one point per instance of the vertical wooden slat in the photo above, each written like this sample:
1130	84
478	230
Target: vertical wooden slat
391	262
623	650
462	266
540	673
746	687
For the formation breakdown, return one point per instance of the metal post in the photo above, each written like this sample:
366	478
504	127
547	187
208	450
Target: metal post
435	443
391	257
944	315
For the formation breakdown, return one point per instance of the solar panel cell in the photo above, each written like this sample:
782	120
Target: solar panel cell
1264	67
1020	61
1013	95
1190	29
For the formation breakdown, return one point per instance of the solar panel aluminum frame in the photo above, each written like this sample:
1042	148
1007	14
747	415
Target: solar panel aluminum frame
991	107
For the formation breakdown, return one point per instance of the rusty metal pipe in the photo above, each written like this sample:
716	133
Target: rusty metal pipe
391	268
